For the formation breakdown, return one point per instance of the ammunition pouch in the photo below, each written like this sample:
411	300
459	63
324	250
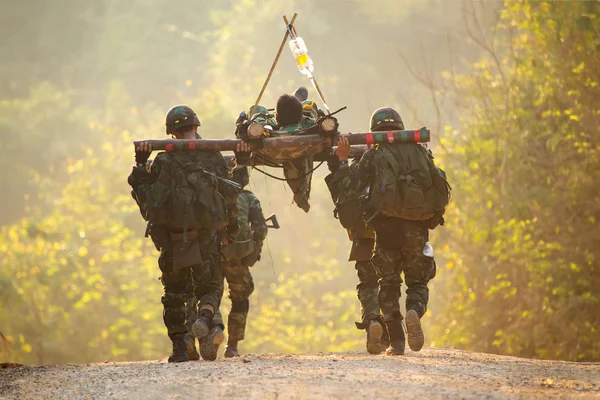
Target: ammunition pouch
186	249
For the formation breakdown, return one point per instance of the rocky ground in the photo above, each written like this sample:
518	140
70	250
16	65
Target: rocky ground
431	374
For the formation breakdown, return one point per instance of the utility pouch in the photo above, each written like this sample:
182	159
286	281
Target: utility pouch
186	253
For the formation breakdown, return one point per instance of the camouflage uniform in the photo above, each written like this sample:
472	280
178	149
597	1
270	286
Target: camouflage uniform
361	252
297	170
207	277
237	270
399	244
399	247
368	288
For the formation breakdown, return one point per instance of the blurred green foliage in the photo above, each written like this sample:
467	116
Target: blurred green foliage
524	160
517	260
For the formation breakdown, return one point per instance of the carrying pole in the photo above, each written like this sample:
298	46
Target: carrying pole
262	91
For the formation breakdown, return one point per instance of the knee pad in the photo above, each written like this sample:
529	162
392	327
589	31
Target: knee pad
241	306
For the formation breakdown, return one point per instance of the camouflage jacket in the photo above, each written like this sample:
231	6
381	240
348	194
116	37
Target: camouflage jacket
255	216
352	181
245	247
334	182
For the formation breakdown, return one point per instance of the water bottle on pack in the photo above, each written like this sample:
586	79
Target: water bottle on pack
300	52
428	250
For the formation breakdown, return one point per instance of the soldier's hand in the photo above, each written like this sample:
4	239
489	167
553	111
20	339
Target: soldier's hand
142	152
343	149
241	118
242	147
242	153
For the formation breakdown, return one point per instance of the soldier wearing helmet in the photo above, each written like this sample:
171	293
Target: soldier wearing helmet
399	177
186	253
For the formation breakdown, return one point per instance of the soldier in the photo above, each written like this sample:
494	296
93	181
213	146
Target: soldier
289	118
363	241
241	253
407	196
185	228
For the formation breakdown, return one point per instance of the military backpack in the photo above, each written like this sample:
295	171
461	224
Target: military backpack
186	196
408	185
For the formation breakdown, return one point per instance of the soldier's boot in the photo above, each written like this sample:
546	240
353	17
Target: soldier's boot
374	333
397	339
179	353
232	349
190	344
209	345
416	339
385	338
201	328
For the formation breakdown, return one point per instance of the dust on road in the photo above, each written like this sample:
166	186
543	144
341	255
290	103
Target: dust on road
431	374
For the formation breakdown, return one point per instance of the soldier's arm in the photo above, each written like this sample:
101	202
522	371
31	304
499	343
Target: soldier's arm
141	180
257	220
353	180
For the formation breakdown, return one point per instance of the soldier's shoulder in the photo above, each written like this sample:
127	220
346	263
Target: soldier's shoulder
163	155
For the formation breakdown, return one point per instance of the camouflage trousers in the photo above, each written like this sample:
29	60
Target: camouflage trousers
298	175
191	310
206	279
368	293
399	248
241	286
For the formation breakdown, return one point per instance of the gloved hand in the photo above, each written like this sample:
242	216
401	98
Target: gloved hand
137	176
241	118
242	153
233	228
142	153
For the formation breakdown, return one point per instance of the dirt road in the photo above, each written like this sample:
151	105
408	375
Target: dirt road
431	374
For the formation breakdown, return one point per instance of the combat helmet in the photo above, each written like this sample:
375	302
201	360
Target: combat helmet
386	118
180	116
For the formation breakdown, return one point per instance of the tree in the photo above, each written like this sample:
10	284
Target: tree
524	258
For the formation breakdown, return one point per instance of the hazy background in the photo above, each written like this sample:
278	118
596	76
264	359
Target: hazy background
510	92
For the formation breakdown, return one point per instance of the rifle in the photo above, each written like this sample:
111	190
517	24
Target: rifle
212	174
273	219
224	180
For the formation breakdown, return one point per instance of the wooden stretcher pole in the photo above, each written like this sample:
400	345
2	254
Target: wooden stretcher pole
285	37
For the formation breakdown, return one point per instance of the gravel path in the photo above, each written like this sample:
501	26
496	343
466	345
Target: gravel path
431	374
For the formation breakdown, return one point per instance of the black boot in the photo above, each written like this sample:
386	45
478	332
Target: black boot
201	328
416	339
179	353
190	344
397	339
232	349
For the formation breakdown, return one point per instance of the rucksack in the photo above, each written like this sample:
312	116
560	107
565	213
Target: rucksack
185	196
242	244
408	185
